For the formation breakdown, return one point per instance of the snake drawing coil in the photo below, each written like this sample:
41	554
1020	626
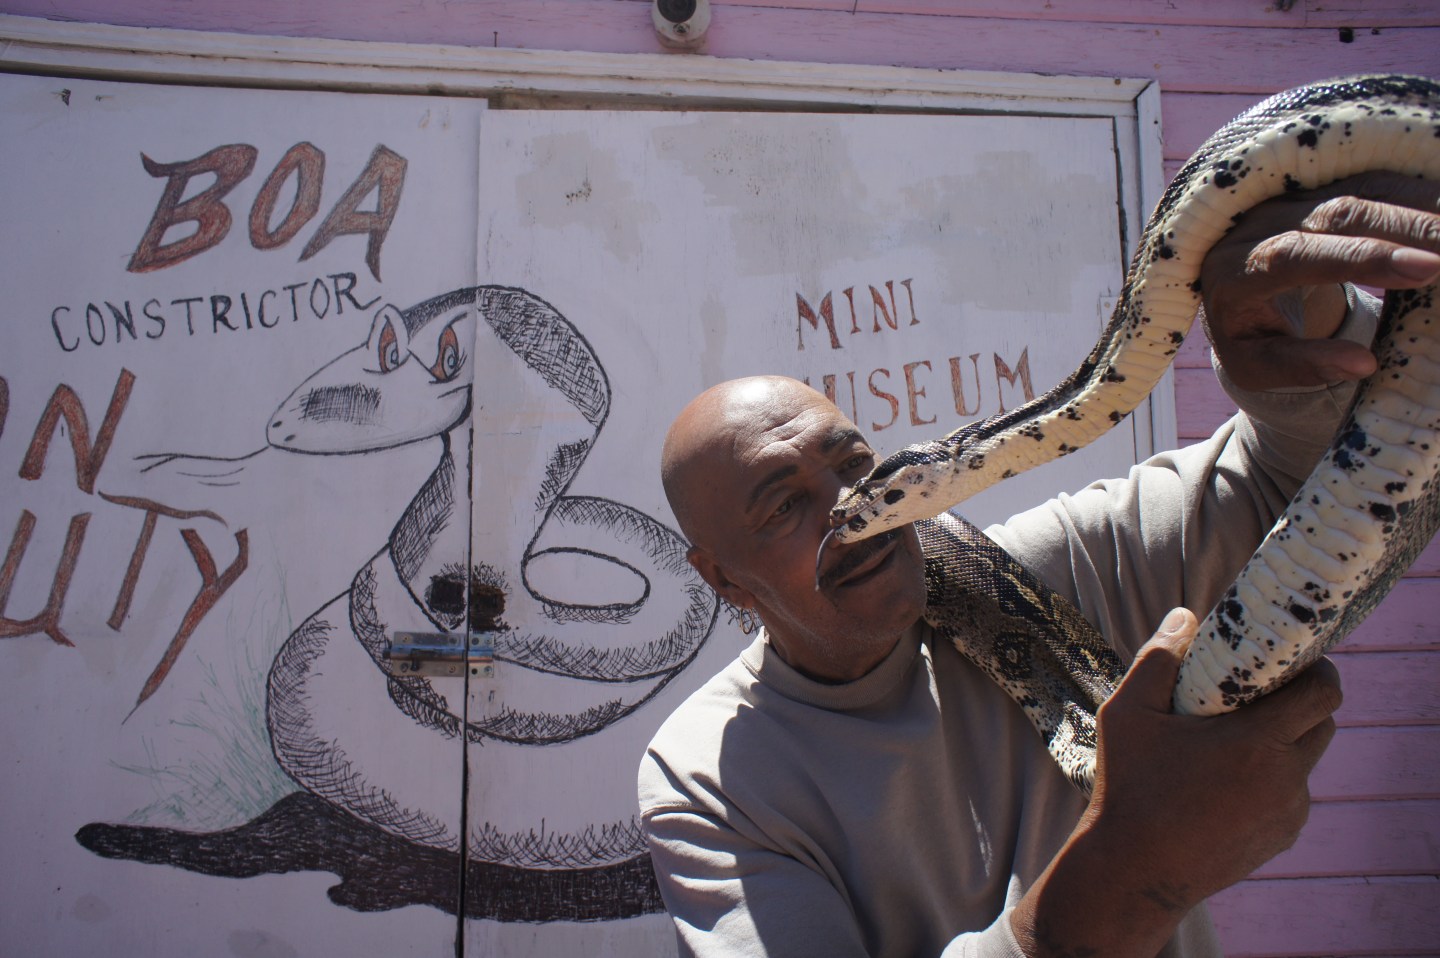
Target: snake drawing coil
1367	510
588	605
352	728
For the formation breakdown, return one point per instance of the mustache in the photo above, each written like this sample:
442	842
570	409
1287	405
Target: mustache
854	557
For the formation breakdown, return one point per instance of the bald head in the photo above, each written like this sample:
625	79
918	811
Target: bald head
714	431
752	468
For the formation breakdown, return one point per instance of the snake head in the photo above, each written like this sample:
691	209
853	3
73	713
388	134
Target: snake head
905	487
897	491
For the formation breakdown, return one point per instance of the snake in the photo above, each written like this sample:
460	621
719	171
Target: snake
1368	508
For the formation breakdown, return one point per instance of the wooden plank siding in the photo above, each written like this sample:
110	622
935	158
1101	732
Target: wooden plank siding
1365	877
1374	698
1372	837
1331	917
1247	13
1135	40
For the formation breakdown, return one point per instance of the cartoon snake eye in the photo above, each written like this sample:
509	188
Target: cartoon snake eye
449	360
389	349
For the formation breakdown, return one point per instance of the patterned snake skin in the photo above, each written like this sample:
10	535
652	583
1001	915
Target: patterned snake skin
1365	513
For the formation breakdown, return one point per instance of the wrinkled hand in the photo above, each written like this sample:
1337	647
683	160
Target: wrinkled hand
1211	799
1376	229
1183	807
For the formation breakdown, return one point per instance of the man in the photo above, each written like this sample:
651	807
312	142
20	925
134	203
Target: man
849	786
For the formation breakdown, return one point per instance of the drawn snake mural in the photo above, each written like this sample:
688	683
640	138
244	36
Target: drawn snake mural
589	606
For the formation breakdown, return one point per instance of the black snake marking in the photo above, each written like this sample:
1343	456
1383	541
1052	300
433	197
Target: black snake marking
1365	513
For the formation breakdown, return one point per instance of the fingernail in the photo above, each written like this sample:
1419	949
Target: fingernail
1174	622
1415	264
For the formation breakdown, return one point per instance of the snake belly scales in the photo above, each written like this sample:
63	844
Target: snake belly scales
1368	509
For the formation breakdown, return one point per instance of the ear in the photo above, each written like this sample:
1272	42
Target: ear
714	574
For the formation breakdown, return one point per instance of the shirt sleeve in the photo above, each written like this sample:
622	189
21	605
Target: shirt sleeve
1177	530
997	941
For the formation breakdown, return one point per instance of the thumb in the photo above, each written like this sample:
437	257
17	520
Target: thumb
1150	682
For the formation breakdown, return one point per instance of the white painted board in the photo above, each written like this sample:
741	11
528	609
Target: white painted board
963	262
145	810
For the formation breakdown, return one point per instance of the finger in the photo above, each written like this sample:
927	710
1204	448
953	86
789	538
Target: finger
1383	187
1296	710
1290	210
1298	258
1401	211
1150	682
1354	216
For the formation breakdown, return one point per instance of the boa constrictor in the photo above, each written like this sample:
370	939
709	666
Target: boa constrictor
1357	523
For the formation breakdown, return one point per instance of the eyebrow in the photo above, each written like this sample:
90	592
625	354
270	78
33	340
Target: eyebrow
837	437
841	435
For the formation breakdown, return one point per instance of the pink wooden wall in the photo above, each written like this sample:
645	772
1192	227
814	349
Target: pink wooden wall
1365	878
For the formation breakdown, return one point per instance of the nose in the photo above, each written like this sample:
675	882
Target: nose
837	485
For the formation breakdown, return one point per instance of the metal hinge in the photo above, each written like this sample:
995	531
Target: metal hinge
433	654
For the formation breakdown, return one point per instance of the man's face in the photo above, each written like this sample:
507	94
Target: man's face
762	509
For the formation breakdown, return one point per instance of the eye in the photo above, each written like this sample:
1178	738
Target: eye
860	462
389	349
449	360
787	506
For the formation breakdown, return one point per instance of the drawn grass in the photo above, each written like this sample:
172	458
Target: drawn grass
236	777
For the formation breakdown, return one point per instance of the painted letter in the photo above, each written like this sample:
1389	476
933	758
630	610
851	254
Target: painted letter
55	325
230	164
212	587
913	394
828	381
881	394
386	170
914	320
347	294
854	320
880	310
153	511
957	385
805	313
308	164
64	402
1022	372
48	621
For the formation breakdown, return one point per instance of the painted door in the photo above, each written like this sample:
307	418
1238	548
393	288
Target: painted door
286	375
923	271
219	418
